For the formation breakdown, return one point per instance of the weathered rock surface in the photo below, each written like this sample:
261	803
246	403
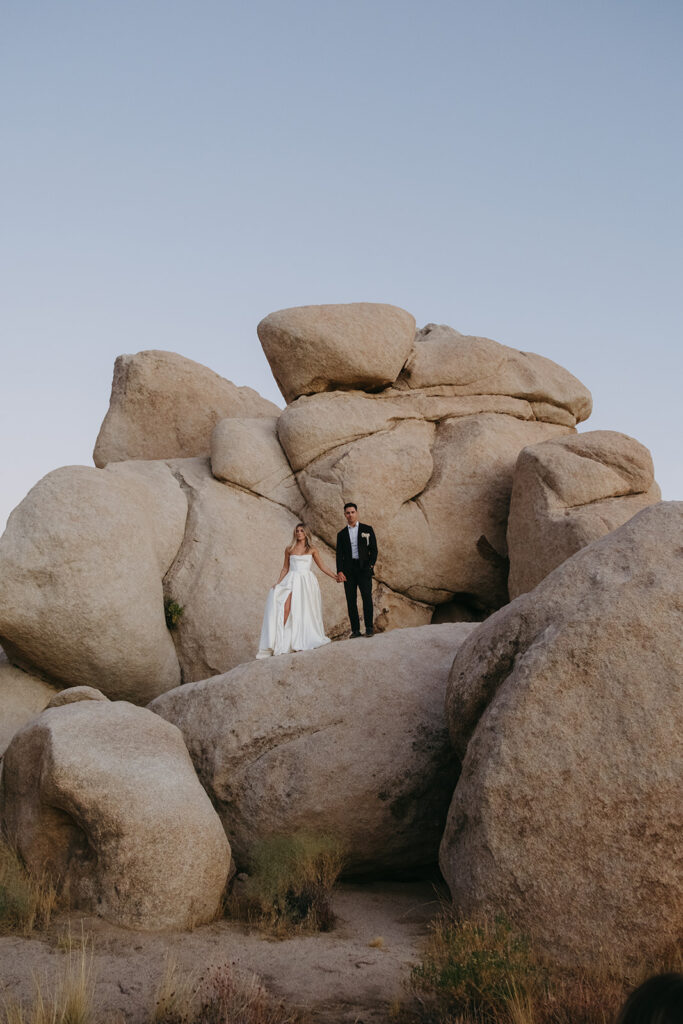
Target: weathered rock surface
22	697
325	348
232	554
567	706
103	796
450	540
164	406
437	496
82	562
430	458
479	366
382	471
349	740
247	452
569	491
74	694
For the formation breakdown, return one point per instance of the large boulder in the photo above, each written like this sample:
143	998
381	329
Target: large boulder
324	348
82	562
480	366
232	553
103	797
569	491
348	740
247	452
567	707
164	406
22	697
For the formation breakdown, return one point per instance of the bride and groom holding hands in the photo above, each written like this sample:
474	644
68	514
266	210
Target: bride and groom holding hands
293	619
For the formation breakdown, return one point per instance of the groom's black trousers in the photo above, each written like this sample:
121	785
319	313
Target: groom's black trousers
359	579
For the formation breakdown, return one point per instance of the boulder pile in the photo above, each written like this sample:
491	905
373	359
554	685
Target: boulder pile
550	724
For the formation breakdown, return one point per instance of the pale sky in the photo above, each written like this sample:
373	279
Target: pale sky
172	171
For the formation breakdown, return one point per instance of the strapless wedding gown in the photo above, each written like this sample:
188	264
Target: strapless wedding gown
304	630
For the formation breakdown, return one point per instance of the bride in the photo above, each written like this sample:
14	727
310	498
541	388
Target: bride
293	619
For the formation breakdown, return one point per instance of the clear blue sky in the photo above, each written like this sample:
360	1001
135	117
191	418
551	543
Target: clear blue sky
172	171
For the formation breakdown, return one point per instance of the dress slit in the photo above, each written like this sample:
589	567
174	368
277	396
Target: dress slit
304	630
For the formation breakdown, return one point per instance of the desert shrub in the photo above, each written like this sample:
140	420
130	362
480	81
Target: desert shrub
173	612
26	902
484	972
222	997
68	1001
475	970
290	885
231	998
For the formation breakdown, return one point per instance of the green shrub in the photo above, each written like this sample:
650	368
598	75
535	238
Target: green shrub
290	884
483	972
476	970
173	612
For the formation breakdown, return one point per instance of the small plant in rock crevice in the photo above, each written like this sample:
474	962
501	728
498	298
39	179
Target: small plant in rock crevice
289	887
173	612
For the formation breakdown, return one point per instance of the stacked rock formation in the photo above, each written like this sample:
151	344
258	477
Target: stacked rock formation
202	483
464	455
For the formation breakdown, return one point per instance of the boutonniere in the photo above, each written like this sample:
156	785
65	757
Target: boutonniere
366	537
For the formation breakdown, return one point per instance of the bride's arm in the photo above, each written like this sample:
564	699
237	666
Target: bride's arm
285	568
316	559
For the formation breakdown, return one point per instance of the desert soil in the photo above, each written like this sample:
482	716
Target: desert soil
338	977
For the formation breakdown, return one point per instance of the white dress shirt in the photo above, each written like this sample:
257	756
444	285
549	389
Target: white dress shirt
353	536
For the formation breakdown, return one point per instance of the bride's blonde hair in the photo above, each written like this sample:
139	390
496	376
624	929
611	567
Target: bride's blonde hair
307	535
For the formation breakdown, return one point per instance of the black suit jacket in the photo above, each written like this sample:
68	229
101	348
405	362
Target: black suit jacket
367	549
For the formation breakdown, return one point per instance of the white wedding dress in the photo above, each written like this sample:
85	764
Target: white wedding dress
304	630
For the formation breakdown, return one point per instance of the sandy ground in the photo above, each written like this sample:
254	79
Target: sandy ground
338	976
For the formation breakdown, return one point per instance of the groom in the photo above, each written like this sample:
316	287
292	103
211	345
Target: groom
356	557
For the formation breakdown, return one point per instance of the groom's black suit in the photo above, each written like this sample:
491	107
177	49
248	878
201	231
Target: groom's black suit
358	572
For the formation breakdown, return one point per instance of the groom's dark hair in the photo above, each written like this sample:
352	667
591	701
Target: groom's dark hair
350	504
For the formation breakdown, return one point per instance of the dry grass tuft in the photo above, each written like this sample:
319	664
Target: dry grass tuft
177	995
27	903
69	1002
290	886
377	942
